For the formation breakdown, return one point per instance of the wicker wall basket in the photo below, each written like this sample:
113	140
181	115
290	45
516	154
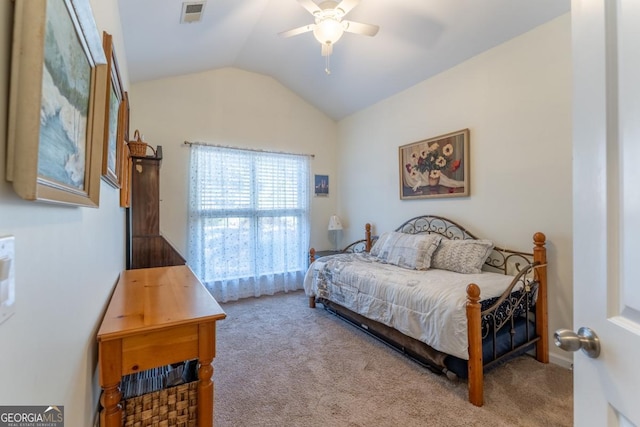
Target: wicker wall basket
137	147
170	407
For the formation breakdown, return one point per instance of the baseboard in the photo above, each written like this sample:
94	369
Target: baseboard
96	417
565	362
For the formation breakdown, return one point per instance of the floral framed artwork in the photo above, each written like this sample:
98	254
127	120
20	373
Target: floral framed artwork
56	103
435	167
113	135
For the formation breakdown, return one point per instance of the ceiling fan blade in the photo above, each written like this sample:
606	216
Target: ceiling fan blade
360	28
347	5
296	31
310	6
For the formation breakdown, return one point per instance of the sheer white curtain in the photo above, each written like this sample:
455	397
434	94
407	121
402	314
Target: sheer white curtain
248	221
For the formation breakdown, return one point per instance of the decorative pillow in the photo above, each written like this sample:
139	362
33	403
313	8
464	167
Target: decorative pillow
411	251
462	256
377	246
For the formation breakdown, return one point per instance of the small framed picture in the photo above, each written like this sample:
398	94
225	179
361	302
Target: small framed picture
321	185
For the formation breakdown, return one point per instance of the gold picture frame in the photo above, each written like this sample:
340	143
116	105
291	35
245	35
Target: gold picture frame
113	129
56	103
435	167
125	158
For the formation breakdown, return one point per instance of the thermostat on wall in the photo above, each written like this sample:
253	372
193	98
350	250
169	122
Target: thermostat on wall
7	278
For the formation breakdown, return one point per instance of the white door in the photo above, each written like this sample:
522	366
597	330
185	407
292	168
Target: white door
606	194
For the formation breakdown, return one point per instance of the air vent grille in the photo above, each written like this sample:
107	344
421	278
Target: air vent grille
192	11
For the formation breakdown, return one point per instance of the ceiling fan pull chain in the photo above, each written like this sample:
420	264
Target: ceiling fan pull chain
326	68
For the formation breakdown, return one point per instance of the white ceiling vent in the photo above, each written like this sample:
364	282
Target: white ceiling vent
192	11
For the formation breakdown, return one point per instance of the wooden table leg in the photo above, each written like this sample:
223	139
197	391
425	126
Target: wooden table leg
110	366
111	413
207	336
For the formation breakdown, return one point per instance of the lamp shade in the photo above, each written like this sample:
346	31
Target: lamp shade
335	223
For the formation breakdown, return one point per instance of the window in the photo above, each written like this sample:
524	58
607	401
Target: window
248	220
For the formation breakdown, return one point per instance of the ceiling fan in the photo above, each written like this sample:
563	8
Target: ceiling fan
329	24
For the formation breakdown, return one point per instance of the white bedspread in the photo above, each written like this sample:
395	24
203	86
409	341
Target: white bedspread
425	305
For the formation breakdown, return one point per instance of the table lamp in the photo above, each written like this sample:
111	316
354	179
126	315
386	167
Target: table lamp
335	225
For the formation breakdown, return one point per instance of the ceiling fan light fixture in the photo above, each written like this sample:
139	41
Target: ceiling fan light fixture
328	31
329	26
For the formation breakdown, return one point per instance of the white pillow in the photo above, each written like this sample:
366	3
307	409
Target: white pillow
411	251
377	246
462	256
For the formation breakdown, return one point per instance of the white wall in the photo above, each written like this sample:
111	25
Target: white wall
236	108
67	262
516	101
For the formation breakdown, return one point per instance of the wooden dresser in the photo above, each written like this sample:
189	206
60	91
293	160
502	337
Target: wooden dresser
157	316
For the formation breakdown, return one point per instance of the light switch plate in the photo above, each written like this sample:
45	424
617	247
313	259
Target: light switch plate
7	277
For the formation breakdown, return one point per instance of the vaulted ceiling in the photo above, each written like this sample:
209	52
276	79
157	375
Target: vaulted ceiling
417	40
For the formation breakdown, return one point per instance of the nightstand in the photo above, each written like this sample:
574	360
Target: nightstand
319	254
326	253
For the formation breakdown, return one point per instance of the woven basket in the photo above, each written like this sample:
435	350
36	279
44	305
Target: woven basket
171	407
137	147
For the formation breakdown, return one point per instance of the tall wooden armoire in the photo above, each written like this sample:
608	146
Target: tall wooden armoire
145	245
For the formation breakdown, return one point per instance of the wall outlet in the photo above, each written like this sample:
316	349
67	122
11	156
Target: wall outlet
7	278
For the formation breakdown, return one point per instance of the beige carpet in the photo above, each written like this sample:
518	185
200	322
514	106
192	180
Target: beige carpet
280	363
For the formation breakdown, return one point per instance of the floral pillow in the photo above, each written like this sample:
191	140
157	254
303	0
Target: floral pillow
462	256
413	251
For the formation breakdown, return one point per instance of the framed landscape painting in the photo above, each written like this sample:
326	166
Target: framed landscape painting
113	138
123	150
435	167
56	103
